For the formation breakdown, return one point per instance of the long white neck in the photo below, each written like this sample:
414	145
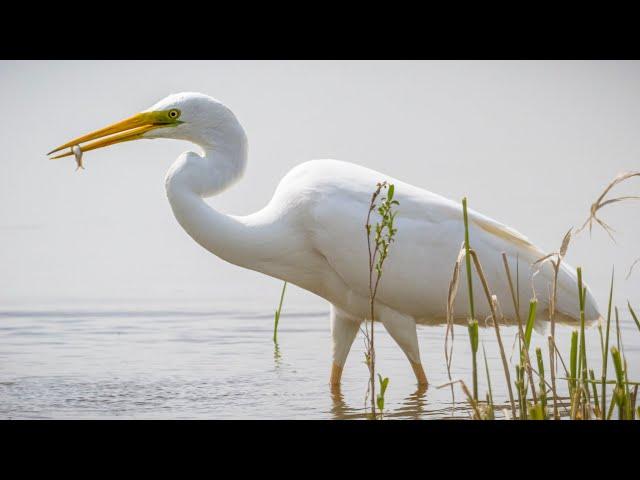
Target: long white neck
193	177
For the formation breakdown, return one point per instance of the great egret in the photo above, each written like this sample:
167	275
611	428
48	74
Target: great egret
312	232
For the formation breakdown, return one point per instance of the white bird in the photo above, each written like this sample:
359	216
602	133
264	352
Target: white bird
312	234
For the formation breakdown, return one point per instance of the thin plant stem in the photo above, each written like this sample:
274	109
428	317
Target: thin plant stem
605	354
471	306
277	315
496	325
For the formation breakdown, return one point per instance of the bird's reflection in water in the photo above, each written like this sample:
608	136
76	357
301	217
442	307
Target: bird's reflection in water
412	407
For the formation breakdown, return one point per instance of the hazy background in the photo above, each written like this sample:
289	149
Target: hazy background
531	144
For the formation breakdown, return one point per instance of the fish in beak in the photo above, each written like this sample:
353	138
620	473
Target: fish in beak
132	128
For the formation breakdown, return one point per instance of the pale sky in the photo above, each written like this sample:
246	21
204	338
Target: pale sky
531	144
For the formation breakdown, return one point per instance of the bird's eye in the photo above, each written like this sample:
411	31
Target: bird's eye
173	114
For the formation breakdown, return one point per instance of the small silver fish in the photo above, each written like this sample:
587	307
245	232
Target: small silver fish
78	153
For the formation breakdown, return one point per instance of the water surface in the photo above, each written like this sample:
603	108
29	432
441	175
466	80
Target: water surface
185	363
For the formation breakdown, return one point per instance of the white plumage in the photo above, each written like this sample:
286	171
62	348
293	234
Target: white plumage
312	234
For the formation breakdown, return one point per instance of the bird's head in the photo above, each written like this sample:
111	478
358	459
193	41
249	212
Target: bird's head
185	116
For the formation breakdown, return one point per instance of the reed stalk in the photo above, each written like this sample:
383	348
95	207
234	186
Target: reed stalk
573	367
496	325
474	338
542	387
277	315
605	350
633	315
582	361
552	369
619	390
516	306
490	394
467	248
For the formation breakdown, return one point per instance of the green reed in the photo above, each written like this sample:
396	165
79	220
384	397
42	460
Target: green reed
539	400
605	350
473	323
277	314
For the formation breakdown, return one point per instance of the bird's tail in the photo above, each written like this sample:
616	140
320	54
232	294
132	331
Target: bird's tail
567	307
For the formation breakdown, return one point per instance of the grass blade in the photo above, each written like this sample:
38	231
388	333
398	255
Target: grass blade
277	315
605	354
633	314
530	321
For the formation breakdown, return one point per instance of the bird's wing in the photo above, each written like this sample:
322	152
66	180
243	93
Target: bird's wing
418	271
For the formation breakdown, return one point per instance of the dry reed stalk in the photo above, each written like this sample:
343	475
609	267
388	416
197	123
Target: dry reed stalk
553	377
559	255
520	331
466	391
451	296
599	203
637	260
496	325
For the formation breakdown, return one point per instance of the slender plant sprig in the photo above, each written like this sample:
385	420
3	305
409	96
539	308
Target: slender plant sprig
277	314
384	235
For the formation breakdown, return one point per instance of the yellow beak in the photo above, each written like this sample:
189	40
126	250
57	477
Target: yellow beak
131	128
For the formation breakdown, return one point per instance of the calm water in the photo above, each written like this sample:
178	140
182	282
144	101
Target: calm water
182	362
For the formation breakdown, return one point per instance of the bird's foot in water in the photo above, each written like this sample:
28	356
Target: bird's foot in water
336	376
420	375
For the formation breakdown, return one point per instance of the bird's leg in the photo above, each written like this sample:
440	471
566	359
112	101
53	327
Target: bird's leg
344	329
336	376
402	329
421	377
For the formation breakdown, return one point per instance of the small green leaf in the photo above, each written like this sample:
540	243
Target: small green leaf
530	321
383	384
